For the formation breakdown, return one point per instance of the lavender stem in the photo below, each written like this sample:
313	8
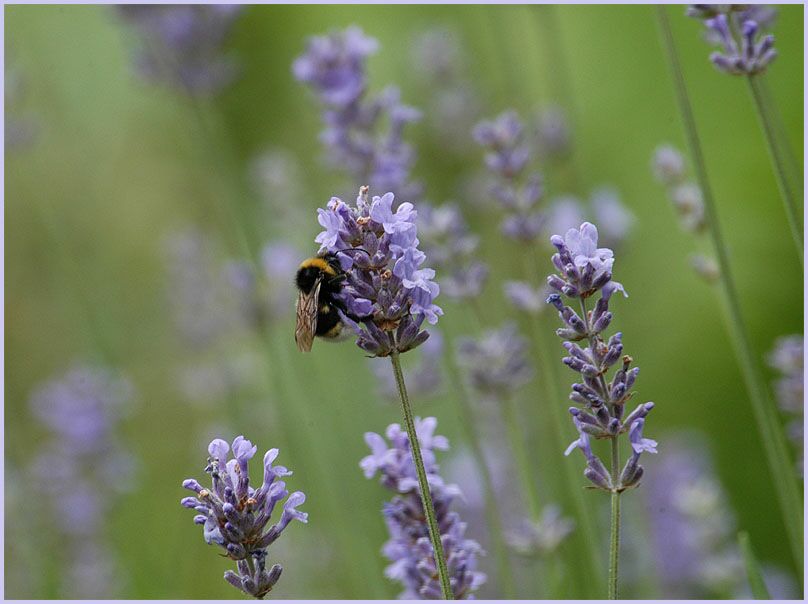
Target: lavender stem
614	525
778	162
766	414
426	497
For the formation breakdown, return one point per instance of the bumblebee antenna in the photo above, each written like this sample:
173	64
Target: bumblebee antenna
348	249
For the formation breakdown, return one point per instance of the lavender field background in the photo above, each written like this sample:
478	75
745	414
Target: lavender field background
154	226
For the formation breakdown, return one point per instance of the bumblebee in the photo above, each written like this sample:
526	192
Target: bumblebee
319	280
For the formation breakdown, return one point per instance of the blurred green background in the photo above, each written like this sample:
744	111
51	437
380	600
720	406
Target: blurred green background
117	165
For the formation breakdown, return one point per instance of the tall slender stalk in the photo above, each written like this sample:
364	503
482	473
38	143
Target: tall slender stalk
614	524
465	414
765	411
426	496
779	166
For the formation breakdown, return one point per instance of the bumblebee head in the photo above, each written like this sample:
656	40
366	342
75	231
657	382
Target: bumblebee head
313	269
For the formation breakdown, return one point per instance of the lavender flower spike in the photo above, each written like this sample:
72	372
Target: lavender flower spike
387	293
787	358
409	549
736	29
584	270
236	516
355	138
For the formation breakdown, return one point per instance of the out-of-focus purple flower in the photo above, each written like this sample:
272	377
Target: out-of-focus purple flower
279	260
83	468
692	526
334	67
706	267
236	516
564	213
452	250
736	29
668	165
584	269
451	102
614	218
525	297
387	293
544	536
183	44
20	128
496	363
787	357
553	133
409	548
424	377
516	190
202	307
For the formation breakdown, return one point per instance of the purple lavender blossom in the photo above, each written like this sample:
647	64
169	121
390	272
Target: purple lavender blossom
334	67
787	358
614	218
584	269
516	190
183	44
737	30
544	536
452	104
387	290
452	250
82	470
692	527
553	133
669	168
236	516
409	548
524	297
497	362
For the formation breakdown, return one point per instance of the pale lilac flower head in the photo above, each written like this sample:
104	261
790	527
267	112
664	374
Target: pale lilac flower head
668	165
497	362
553	133
452	250
183	44
524	297
82	469
583	271
614	218
737	30
409	548
583	267
362	135
236	516
334	65
787	358
693	541
388	292
544	536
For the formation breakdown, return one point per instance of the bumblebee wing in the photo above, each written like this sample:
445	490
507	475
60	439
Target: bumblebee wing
306	313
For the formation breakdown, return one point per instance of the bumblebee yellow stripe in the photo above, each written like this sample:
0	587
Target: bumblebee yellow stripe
318	263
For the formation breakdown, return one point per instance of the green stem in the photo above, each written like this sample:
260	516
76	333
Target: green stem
753	575
426	496
521	457
794	168
465	414
765	412
778	162
614	525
